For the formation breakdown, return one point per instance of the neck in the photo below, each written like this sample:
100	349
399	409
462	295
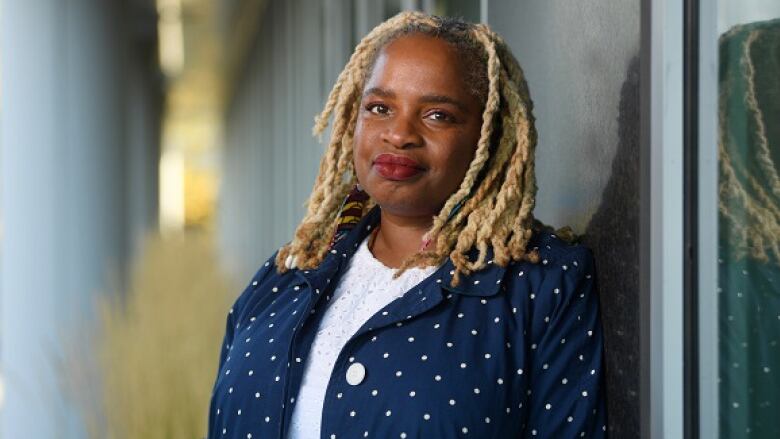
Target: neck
399	237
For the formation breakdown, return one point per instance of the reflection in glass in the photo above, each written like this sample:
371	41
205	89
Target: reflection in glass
749	241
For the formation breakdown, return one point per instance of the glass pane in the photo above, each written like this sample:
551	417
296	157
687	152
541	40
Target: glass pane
749	218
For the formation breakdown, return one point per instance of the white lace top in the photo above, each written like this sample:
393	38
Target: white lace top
366	287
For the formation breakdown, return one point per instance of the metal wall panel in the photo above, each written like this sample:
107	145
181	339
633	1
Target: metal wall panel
270	157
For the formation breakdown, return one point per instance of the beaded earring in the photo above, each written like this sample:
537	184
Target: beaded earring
350	213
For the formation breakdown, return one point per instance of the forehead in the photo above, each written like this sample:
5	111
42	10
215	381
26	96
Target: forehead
418	61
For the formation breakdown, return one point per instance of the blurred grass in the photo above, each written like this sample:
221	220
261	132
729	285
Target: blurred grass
156	349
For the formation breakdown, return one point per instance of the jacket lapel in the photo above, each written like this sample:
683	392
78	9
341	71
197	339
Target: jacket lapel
419	299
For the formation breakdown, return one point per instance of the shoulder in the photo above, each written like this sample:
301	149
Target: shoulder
562	269
557	294
261	283
555	254
555	251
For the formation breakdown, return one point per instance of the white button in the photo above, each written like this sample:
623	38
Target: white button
355	374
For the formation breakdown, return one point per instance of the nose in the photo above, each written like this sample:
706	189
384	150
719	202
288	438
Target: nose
402	132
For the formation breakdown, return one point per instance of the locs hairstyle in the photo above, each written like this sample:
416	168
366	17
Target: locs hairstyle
494	203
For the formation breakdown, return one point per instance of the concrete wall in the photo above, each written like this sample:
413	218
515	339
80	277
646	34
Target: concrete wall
581	60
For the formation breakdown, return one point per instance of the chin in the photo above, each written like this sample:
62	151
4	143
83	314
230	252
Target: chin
401	198
406	207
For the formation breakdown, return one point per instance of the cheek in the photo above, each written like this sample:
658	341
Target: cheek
363	133
360	151
460	158
468	148
452	168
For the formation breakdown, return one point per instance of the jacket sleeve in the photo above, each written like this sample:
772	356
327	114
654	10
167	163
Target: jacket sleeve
236	311
231	323
566	398
227	340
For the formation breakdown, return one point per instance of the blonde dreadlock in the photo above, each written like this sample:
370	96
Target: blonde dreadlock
496	197
748	201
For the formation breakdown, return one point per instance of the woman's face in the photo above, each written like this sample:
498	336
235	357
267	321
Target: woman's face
417	126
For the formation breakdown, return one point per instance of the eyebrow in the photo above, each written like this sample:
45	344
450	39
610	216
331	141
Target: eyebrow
435	99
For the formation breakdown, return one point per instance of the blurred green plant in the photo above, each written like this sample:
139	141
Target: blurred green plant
156	348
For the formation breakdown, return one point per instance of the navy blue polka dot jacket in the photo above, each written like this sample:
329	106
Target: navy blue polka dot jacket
510	352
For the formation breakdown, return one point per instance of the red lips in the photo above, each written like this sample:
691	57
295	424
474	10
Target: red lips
396	167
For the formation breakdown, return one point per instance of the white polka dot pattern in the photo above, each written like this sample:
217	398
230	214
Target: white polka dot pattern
749	346
511	351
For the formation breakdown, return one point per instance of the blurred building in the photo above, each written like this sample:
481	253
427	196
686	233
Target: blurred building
79	127
122	118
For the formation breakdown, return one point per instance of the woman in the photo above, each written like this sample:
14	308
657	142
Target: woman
419	298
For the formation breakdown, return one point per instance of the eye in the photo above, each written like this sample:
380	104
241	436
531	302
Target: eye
377	108
440	116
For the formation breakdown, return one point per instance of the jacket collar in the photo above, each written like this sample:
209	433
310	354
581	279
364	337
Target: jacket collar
484	283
